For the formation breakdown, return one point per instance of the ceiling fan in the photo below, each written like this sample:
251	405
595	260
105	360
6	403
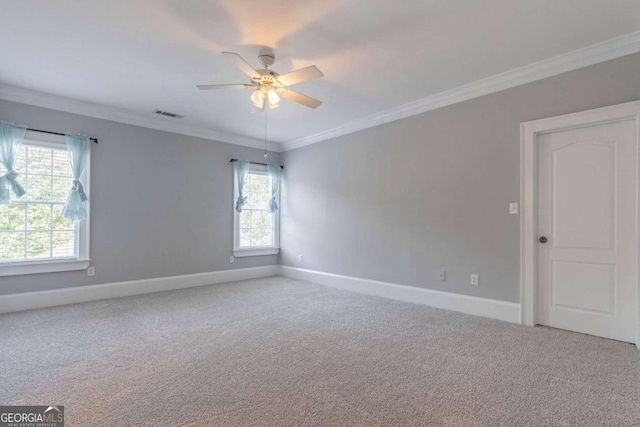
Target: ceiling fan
270	86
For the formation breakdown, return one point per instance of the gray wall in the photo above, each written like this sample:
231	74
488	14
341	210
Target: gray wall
161	203
400	201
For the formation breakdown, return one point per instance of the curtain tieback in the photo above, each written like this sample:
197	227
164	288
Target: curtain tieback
77	186
273	205
10	177
242	200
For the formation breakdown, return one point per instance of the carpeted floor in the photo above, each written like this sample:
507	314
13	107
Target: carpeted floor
280	352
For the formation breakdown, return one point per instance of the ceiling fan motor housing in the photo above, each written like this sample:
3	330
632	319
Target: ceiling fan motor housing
267	78
267	60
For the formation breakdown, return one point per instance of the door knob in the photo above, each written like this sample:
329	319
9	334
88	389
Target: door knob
543	239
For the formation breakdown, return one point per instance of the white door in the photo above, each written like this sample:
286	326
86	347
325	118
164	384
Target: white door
587	213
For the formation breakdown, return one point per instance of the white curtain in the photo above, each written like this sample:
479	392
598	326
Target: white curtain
274	172
11	137
78	146
241	169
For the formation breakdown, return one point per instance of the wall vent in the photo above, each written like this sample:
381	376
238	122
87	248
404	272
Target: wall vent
168	114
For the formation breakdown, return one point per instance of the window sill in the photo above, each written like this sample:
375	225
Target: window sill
255	252
37	267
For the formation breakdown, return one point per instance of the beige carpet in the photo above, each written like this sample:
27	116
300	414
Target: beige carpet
279	352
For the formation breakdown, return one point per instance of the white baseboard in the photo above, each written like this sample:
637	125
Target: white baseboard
495	309
55	297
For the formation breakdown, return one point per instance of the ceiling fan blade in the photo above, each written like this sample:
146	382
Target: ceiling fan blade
300	98
214	87
302	75
242	64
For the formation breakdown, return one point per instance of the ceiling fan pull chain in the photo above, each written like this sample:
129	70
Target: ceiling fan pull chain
265	131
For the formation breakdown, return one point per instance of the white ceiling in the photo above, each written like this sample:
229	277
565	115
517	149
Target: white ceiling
143	55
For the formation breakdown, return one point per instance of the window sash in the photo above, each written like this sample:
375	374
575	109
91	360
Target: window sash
271	229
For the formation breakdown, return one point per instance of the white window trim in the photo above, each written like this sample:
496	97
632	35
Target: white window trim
48	266
82	229
256	250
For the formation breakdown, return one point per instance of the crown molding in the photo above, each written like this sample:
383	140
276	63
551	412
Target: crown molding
590	55
83	108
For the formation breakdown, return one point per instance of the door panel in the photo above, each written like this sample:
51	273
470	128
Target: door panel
583	182
570	279
586	209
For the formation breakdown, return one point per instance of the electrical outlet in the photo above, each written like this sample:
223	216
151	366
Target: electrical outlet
91	271
300	258
232	259
513	208
442	275
475	279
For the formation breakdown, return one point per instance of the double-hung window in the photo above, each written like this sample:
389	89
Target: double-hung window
34	236
256	230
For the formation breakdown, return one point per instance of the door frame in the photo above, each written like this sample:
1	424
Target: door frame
529	132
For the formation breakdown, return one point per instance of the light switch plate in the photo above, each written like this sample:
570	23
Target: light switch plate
513	208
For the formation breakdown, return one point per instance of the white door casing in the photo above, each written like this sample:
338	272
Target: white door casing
586	194
588	277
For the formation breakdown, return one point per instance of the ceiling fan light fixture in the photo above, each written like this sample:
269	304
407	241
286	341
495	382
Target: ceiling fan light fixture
273	97
257	98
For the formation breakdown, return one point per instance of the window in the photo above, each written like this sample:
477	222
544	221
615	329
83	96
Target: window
34	236
256	231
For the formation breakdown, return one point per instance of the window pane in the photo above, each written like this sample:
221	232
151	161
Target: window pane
255	219
39	217
38	188
259	200
256	237
245	219
12	217
261	219
257	191
267	238
11	245
38	244
60	222
39	160
60	189
19	163
61	163
251	185
265	184
63	244
245	237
